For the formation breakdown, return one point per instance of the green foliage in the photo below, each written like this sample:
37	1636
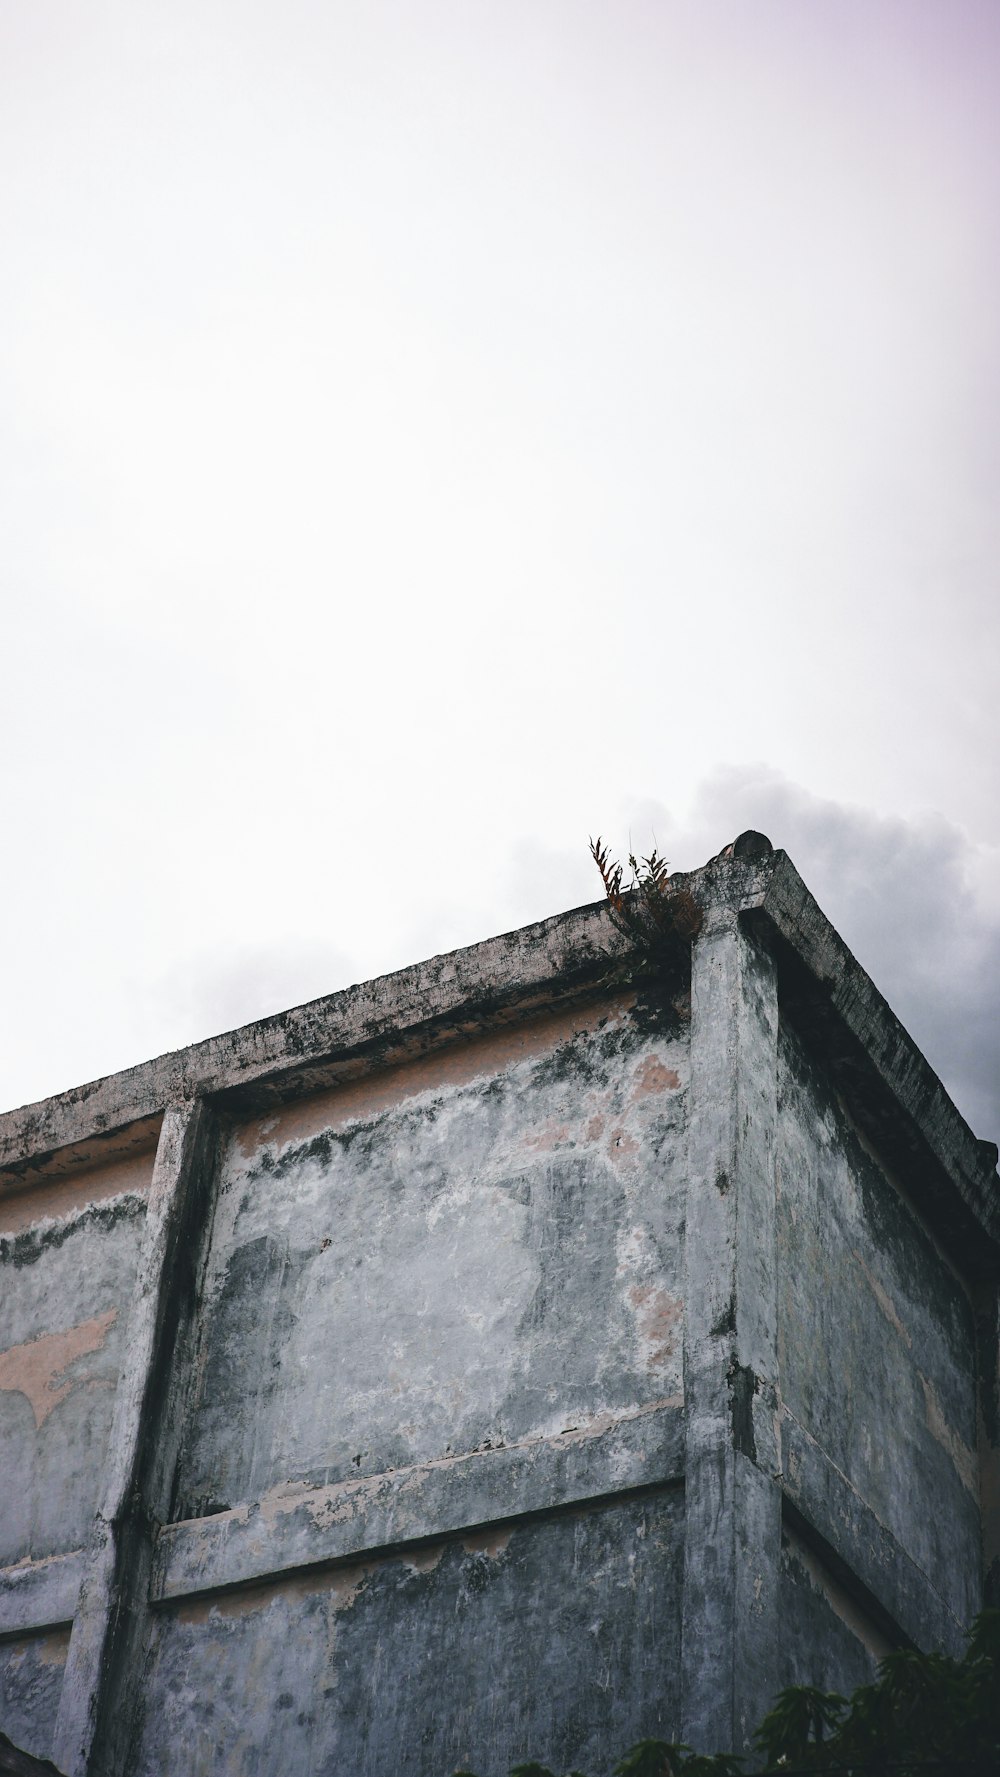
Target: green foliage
670	1758
926	1715
799	1726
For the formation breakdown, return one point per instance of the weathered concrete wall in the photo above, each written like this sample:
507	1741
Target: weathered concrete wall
68	1251
489	1253
828	1638
563	1634
64	1289
877	1336
502	1360
31	1676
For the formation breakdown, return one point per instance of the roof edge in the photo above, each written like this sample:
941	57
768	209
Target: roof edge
530	967
555	956
789	912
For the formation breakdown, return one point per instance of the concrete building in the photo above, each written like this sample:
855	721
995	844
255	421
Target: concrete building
516	1356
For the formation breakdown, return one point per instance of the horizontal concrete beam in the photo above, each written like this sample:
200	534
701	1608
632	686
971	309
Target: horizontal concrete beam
38	1595
296	1526
860	1543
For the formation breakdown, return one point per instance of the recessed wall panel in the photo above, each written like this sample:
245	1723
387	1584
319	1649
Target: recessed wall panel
557	1640
825	1636
65	1287
484	1250
31	1675
876	1335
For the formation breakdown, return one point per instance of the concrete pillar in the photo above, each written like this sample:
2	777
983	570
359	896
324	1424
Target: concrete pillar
732	1496
104	1665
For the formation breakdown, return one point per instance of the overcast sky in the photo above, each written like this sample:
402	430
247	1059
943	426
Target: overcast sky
433	433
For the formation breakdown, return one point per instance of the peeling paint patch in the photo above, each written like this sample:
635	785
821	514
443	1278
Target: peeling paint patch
50	1648
35	1368
53	1649
425	1560
622	1146
553	1135
288	1496
487	1542
884	1301
658	1316
52	1199
457	1065
38	1561
343	1584
653	1077
963	1458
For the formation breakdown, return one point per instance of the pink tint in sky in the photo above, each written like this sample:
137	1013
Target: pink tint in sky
446	430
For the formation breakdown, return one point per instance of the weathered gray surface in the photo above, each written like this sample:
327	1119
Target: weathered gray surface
31	1675
110	1624
876	1330
562	1634
475	1265
296	1524
517	1362
836	1518
36	1593
64	1291
824	1628
729	1618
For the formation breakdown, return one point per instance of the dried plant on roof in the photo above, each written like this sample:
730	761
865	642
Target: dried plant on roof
654	913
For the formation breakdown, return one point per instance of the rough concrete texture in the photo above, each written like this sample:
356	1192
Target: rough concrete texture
483	1262
563	1634
514	1357
733	1503
825	1629
64	1289
876	1327
31	1675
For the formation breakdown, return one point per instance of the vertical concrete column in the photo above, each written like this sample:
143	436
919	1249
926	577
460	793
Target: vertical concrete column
104	1664
986	1299
732	1496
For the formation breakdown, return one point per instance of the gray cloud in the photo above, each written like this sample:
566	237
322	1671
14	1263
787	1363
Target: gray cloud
903	894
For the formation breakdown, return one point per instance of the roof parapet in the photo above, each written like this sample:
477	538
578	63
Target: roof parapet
877	1063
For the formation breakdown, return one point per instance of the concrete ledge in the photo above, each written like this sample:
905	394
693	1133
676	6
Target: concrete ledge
891	1087
879	1067
447	997
290	1052
861	1547
297	1526
38	1595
